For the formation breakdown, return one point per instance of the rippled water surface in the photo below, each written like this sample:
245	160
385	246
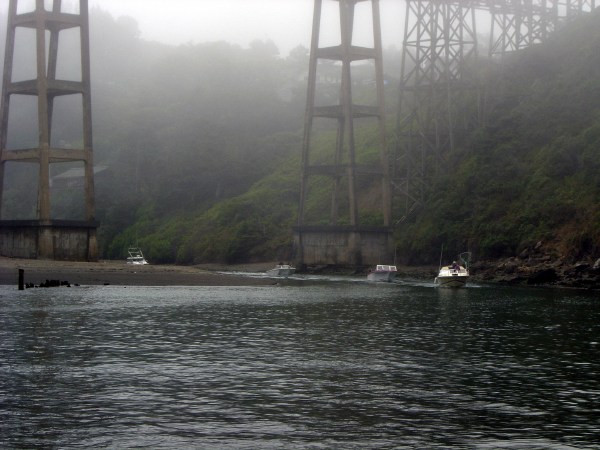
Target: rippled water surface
311	364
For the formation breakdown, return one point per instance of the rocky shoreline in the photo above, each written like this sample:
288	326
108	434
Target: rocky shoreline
541	265
526	269
530	268
539	272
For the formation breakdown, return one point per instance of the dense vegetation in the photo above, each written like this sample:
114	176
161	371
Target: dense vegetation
202	144
533	173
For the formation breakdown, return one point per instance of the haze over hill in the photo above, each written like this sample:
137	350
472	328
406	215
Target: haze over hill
201	144
286	23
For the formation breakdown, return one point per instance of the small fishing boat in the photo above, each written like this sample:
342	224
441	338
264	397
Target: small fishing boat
382	272
281	270
136	256
454	275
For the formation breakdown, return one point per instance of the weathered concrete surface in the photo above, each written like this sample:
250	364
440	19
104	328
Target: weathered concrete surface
351	246
54	240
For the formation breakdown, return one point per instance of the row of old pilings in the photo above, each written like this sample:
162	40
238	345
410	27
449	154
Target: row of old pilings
47	283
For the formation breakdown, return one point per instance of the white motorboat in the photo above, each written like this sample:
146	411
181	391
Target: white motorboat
281	270
454	275
136	256
382	272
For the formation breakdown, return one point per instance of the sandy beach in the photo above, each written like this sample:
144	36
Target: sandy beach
121	274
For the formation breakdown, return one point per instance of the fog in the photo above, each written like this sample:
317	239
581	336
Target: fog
285	22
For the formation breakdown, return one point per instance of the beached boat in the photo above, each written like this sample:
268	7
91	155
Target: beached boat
281	270
382	272
136	256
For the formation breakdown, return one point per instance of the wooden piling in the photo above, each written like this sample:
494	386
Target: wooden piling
21	279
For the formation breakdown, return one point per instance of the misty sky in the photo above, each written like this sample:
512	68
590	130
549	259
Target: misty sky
285	22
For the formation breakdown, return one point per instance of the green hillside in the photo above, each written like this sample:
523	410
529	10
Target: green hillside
531	174
202	147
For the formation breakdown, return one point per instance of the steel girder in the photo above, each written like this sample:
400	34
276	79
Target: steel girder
439	37
440	40
343	169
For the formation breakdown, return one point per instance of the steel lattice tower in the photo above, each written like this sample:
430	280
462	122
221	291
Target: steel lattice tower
46	238
440	36
344	240
440	41
518	24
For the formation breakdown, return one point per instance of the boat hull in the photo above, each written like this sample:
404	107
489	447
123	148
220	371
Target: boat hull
137	262
456	281
281	271
382	272
381	276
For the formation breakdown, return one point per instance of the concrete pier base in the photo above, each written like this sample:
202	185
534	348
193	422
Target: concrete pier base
345	246
59	240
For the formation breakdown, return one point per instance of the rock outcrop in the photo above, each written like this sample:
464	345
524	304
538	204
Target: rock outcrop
536	266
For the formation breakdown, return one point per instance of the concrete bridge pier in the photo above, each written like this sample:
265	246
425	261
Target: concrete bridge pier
338	168
43	237
343	246
61	240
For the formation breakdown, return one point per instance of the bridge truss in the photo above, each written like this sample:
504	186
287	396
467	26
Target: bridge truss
434	108
344	239
44	237
440	41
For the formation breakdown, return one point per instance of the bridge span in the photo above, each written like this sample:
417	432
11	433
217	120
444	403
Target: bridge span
440	39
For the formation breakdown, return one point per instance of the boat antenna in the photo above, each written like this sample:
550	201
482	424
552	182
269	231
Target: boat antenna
441	255
466	257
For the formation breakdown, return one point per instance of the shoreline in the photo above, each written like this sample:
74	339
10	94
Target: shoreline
510	271
119	273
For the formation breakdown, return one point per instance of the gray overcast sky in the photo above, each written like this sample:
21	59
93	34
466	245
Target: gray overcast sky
286	22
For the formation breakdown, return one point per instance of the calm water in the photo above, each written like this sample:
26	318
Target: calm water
308	364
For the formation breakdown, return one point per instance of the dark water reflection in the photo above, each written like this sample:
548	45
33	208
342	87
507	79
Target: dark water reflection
313	365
